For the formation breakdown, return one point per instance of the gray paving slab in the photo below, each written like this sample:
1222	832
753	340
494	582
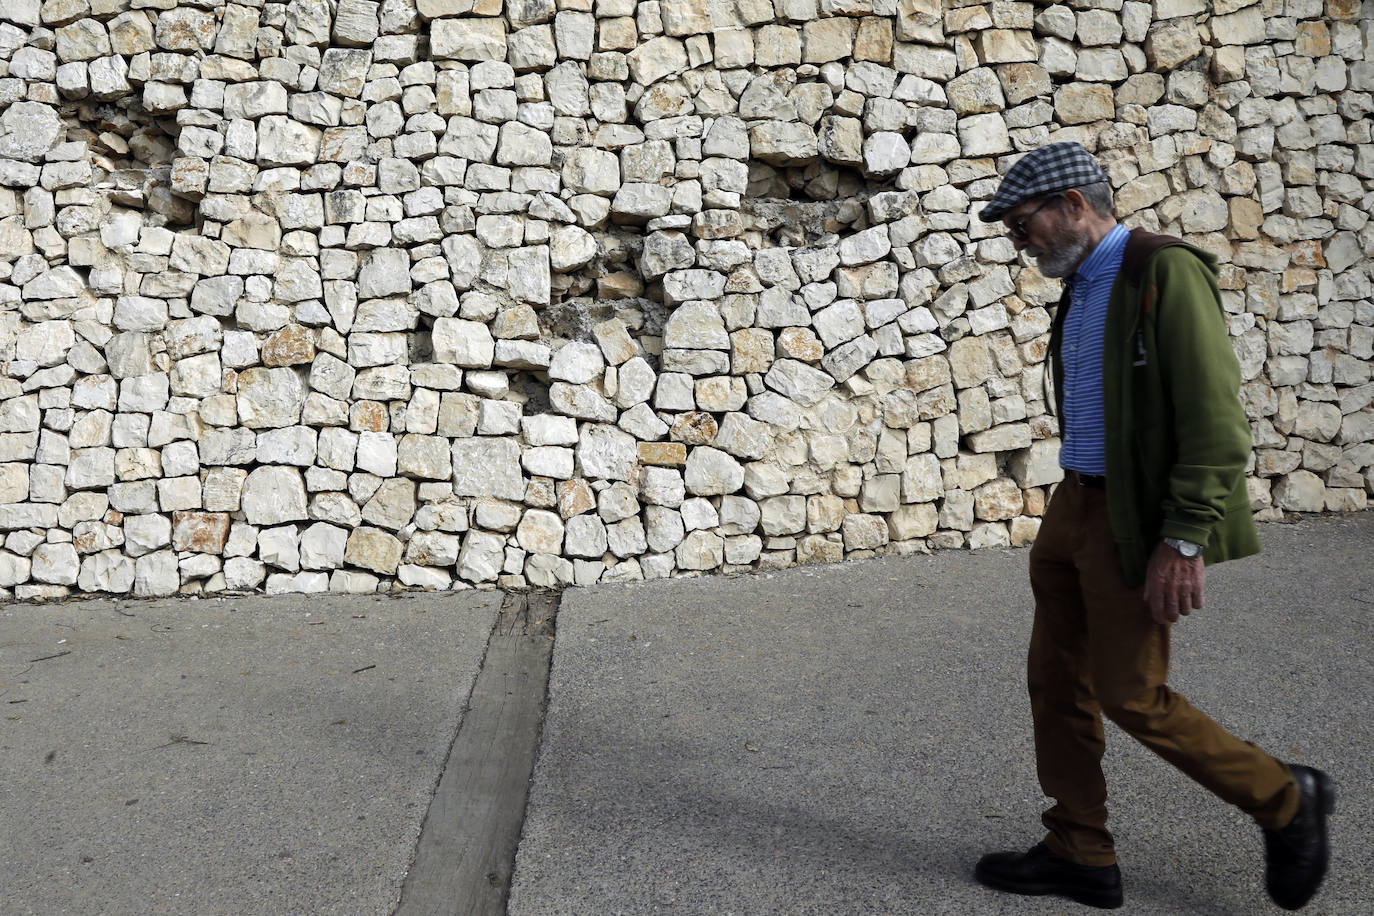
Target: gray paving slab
241	756
850	738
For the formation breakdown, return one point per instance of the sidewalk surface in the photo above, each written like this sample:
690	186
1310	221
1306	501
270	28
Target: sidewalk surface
244	756
831	740
850	739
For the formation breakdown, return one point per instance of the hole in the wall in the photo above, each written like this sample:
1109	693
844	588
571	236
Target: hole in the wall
533	393
788	223
818	181
574	319
132	152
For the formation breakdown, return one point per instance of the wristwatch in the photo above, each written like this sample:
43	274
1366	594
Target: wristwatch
1187	548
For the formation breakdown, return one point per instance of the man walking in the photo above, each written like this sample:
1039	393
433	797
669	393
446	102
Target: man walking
1154	448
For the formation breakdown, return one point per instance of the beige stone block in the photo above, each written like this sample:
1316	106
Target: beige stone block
784	143
1172	44
656	59
1228	64
997	500
970	362
824	40
801	344
721	393
1307	253
1004	438
1244	27
468	39
1082	103
373	549
920	20
202	532
864	532
1006	46
189	176
574	497
695	428
622	284
967	19
734	48
617	34
777	46
663	454
1142	192
615	341
1314	39
1022	82
1246	217
817	548
869	281
976	92
824	513
751	350
1023	530
1297	278
913	521
14	483
874	40
685	17
289	346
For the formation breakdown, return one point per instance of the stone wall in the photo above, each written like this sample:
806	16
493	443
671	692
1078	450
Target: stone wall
349	295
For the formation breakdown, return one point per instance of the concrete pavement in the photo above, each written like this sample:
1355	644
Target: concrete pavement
849	739
839	739
240	756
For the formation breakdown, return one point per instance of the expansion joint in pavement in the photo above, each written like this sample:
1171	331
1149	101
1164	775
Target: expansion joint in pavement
466	851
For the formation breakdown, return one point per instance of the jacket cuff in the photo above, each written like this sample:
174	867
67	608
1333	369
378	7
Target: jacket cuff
1186	531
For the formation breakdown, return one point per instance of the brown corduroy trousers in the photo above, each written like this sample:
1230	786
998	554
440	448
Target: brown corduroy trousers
1095	650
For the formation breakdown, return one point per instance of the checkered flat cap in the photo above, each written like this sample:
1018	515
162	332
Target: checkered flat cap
1041	172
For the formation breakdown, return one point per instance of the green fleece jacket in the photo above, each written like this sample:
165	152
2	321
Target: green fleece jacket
1177	436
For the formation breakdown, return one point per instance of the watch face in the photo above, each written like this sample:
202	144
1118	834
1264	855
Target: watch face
1186	548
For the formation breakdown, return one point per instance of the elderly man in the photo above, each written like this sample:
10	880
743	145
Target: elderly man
1155	444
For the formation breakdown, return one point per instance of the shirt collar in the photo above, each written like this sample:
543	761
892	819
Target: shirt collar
1108	250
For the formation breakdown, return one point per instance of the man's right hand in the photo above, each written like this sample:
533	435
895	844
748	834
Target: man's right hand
1173	584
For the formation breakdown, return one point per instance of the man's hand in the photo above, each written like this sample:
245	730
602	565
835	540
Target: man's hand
1173	584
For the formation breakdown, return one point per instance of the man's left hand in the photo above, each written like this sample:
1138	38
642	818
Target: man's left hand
1173	584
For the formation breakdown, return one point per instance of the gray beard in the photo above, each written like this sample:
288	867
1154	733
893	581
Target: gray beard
1064	259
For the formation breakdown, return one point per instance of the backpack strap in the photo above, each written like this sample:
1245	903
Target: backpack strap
1139	248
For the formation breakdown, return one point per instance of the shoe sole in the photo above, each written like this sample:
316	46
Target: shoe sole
1103	900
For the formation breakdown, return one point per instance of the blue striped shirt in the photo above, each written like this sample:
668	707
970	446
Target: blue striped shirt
1083	423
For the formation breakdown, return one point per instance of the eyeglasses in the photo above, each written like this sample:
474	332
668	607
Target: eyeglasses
1019	226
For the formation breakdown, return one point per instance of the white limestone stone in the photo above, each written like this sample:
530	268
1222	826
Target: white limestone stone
270	397
468	344
606	452
577	363
482	556
711	472
488	467
274	495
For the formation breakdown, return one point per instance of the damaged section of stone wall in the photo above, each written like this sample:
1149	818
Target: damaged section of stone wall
446	293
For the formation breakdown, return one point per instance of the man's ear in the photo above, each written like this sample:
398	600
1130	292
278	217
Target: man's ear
1075	204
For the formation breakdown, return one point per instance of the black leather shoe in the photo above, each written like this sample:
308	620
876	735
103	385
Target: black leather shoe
1040	871
1297	855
